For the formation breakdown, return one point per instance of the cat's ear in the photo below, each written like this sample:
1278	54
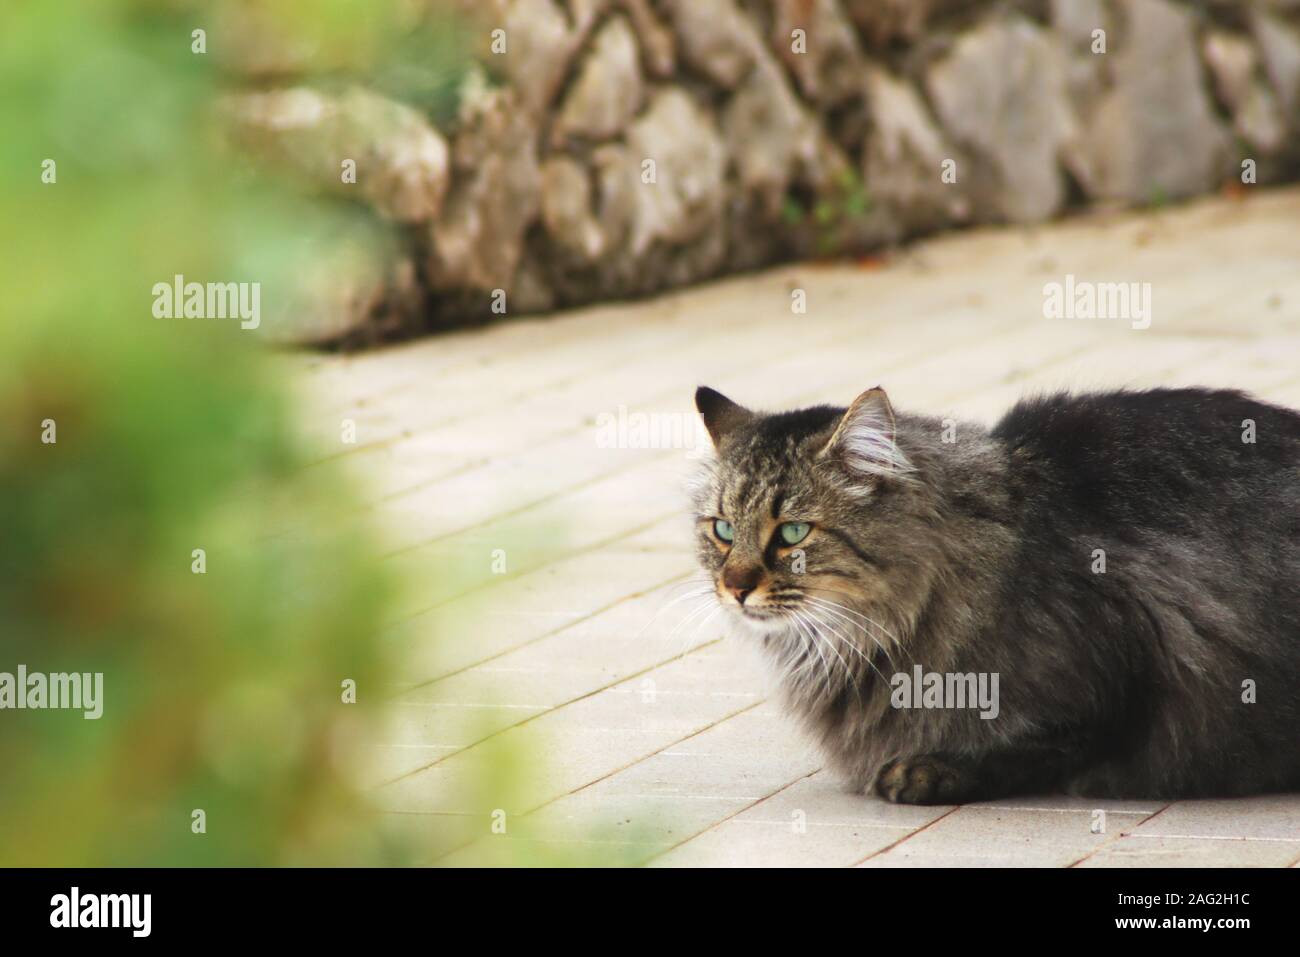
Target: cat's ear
863	440
720	414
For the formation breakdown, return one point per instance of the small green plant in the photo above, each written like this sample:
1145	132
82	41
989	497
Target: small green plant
834	215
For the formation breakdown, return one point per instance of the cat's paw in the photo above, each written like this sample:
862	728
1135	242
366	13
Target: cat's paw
921	780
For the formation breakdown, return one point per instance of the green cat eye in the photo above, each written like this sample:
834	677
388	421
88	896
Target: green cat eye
722	528
792	533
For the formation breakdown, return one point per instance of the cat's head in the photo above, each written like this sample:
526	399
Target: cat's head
805	520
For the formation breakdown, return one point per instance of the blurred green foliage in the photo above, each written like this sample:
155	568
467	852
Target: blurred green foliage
223	691
415	52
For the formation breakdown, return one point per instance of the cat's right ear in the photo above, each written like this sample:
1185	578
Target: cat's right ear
720	414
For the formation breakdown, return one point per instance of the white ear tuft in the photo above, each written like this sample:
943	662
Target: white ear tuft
864	439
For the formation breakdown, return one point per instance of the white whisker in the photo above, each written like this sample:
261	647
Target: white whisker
865	618
698	593
686	644
860	653
810	640
843	614
813	623
692	615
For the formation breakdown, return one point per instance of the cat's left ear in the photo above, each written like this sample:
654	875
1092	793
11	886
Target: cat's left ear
863	440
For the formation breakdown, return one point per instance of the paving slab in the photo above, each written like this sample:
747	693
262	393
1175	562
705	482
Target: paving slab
554	706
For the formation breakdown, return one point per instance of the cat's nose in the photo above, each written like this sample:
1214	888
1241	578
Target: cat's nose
741	582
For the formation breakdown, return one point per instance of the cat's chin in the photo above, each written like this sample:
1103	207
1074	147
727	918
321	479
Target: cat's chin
751	625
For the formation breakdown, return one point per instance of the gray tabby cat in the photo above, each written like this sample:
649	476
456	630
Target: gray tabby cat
1124	565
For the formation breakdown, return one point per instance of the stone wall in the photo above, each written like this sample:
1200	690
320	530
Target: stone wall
613	148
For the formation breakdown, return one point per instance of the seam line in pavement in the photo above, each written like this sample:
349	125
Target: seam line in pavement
531	718
738	811
610	774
